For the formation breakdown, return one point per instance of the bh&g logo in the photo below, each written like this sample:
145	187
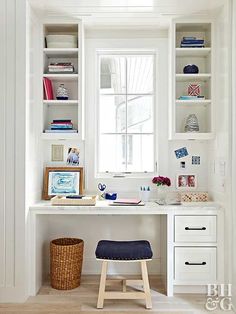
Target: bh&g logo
219	296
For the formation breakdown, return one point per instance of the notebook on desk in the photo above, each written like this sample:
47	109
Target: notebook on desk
127	201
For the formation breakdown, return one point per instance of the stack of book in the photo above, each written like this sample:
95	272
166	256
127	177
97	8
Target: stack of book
192	42
61	67
61	126
188	97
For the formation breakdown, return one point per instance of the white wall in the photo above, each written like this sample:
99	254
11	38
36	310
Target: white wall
12	150
220	172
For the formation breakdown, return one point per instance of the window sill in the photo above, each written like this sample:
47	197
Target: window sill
133	175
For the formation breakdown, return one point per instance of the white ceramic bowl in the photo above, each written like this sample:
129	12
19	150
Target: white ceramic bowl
61	41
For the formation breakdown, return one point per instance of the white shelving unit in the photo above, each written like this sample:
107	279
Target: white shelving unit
71	109
202	57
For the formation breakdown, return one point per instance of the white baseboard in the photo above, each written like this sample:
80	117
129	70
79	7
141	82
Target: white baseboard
191	289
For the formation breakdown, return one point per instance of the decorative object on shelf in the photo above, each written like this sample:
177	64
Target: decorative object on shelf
62	92
61	67
61	41
48	90
57	152
192	124
162	187
194	89
196	160
186	181
191	69
192	42
181	152
102	187
62	181
194	197
73	156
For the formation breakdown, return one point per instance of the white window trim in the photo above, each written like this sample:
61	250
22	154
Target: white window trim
127	175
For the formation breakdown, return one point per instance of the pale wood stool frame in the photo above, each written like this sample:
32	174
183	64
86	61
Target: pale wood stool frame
103	294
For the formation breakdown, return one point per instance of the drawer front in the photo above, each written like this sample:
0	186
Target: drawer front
195	265
195	229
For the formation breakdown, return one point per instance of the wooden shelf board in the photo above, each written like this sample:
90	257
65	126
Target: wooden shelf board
60	102
64	77
60	52
60	136
193	136
193	77
198	102
192	52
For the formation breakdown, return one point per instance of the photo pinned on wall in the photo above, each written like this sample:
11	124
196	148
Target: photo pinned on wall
73	156
186	181
57	152
181	152
196	160
182	164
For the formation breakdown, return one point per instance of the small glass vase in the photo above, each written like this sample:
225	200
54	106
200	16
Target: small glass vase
161	194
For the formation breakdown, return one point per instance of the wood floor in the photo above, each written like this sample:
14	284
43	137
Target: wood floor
84	298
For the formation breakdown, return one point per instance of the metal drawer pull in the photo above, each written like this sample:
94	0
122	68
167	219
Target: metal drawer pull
188	228
203	263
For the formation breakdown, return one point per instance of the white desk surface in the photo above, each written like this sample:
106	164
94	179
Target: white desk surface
103	208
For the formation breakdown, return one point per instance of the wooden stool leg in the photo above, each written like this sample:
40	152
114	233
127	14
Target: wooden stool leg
146	285
102	286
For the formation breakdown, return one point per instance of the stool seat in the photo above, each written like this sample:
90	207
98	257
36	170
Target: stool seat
123	250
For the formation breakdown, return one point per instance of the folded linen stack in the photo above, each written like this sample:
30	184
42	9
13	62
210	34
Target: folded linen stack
61	67
192	42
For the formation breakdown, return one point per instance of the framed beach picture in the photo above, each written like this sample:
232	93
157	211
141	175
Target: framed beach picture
62	181
186	181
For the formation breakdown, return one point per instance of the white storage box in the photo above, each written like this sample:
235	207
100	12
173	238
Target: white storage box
61	41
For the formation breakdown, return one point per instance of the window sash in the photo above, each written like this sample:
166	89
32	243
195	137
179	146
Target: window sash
126	95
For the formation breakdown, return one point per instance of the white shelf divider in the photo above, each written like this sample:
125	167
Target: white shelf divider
65	77
192	52
198	102
60	102
60	136
61	52
193	77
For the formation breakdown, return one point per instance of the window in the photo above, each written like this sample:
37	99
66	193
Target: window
126	114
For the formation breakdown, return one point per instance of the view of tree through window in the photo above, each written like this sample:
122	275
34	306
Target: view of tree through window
126	101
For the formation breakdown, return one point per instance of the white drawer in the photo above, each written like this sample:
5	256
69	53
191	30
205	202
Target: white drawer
195	265
195	229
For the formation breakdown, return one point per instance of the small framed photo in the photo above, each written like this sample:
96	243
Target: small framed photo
73	156
62	181
186	181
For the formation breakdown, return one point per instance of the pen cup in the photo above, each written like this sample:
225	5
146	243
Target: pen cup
144	196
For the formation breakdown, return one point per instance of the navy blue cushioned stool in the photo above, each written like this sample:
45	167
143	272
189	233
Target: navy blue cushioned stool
124	251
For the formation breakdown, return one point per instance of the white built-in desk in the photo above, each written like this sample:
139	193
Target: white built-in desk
192	250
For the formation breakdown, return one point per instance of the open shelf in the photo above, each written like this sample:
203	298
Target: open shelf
64	77
60	136
197	102
60	52
202	77
60	102
192	52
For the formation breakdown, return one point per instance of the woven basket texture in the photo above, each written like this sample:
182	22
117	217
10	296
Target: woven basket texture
66	258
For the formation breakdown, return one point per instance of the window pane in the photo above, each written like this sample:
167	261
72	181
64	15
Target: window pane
139	74
140	153
113	75
112	114
140	114
112	153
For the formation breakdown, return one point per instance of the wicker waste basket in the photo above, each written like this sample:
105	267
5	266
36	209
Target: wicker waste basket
66	258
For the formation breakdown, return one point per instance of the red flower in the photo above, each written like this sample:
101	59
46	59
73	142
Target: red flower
161	181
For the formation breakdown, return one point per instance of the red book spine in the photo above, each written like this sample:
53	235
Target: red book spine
48	88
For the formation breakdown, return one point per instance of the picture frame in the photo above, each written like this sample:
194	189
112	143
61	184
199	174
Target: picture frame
185	181
62	181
